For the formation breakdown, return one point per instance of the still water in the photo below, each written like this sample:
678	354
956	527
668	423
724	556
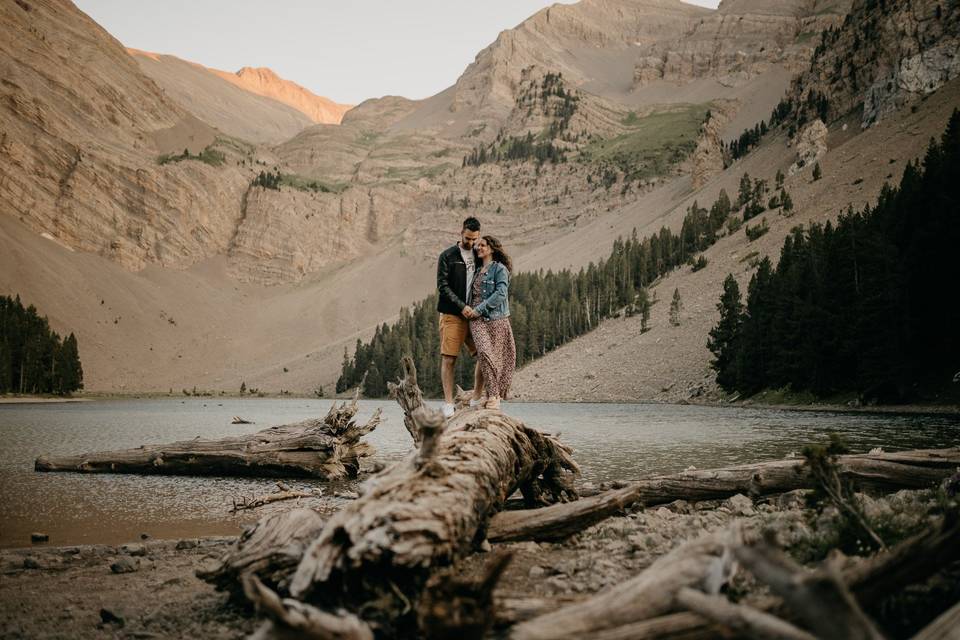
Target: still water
611	441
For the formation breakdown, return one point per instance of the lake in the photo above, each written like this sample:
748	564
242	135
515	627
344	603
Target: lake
611	441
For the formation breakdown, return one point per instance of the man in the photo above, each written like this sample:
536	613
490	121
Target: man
455	270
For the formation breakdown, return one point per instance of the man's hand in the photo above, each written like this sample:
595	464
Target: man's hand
468	312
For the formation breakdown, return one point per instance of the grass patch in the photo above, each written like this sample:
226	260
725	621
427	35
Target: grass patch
303	183
415	173
653	144
209	155
366	138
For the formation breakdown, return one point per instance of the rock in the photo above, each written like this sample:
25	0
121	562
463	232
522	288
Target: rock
664	513
588	489
811	145
537	571
39	537
681	506
558	584
31	563
707	158
144	536
134	549
346	495
186	544
796	499
108	616
740	505
123	565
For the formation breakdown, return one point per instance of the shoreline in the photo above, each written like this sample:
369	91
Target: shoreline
828	407
40	400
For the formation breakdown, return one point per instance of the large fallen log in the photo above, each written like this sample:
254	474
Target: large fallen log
328	448
372	560
874	471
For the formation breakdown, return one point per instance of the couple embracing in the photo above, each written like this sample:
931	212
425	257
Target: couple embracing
473	279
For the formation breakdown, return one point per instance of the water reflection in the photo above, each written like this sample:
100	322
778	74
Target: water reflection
611	441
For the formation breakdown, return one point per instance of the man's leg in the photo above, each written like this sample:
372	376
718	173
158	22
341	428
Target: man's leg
447	369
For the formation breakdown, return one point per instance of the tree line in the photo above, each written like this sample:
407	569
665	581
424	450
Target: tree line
866	305
548	309
33	358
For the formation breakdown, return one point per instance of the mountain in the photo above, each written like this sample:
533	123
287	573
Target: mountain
255	105
266	83
183	254
83	132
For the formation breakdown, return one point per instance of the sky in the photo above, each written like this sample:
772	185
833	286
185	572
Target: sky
348	50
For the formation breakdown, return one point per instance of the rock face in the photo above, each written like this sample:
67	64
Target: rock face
82	132
811	145
740	41
884	57
707	158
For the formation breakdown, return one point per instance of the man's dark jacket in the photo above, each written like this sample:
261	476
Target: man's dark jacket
452	281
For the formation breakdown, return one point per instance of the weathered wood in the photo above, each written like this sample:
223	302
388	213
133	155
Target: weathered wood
457	608
819	598
307	621
283	492
271	550
945	627
407	393
740	618
700	562
869	579
329	449
877	471
415	517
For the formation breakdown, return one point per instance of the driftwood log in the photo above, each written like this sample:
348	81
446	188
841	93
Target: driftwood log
328	448
869	580
704	562
372	560
917	469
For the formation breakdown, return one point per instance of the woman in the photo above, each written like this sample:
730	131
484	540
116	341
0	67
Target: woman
490	321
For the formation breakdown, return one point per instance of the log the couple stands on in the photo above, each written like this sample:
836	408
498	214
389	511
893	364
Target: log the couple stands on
381	565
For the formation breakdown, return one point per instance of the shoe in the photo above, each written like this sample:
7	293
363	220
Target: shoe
492	403
476	402
447	410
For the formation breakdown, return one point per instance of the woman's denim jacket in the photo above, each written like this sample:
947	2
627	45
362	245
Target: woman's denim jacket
493	293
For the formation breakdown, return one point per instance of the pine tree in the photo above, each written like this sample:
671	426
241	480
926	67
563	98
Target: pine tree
67	372
786	201
676	305
817	174
745	193
723	337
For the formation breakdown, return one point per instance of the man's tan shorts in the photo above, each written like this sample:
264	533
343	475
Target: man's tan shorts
454	333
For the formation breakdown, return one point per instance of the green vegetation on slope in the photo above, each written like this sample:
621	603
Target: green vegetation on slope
33	359
863	306
547	309
652	145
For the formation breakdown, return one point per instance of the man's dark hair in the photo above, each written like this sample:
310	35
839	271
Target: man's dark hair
471	224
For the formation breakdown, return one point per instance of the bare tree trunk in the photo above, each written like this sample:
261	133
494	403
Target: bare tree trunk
373	558
882	471
329	449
